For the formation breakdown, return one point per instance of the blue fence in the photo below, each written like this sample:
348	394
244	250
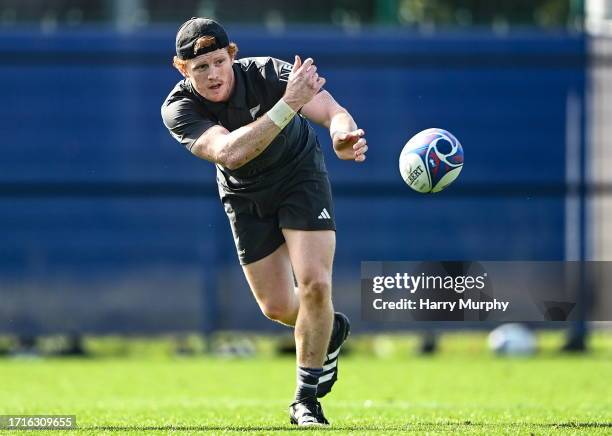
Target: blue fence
110	226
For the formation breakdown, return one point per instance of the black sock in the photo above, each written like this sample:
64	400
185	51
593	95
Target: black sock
307	381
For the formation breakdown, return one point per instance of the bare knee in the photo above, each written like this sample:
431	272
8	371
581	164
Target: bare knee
277	310
316	291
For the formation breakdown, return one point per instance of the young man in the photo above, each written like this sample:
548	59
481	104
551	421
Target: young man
248	116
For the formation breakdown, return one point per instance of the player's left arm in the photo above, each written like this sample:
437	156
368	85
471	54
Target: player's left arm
349	141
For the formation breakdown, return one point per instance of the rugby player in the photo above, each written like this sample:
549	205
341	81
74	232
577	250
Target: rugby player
250	117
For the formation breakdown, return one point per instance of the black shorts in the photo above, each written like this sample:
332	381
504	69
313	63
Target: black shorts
302	203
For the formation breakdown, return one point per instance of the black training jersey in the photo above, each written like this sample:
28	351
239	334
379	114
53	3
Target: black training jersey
258	85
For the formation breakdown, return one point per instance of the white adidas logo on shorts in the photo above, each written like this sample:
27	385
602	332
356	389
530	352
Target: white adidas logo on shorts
324	215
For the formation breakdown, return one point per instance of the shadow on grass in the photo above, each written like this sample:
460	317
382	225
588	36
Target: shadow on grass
355	428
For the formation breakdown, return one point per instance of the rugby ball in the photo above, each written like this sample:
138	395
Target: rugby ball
431	160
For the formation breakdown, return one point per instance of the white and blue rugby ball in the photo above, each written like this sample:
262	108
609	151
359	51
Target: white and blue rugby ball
431	160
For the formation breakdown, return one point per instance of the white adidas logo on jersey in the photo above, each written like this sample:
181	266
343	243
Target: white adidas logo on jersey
324	215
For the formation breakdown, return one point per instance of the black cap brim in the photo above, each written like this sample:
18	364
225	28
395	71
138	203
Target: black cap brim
192	30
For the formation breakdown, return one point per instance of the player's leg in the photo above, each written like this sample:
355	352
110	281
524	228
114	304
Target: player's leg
263	254
312	254
271	281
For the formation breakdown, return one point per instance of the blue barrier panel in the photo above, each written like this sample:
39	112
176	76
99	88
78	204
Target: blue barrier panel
102	210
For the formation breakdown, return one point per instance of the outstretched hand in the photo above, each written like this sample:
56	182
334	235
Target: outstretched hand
303	84
350	145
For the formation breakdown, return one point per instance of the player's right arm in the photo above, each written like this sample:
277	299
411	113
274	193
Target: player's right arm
234	149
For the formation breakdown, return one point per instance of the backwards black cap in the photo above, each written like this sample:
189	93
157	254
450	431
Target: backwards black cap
192	30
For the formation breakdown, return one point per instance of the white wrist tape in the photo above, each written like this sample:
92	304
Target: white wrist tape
281	114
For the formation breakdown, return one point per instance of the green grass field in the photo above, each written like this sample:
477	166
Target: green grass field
383	390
